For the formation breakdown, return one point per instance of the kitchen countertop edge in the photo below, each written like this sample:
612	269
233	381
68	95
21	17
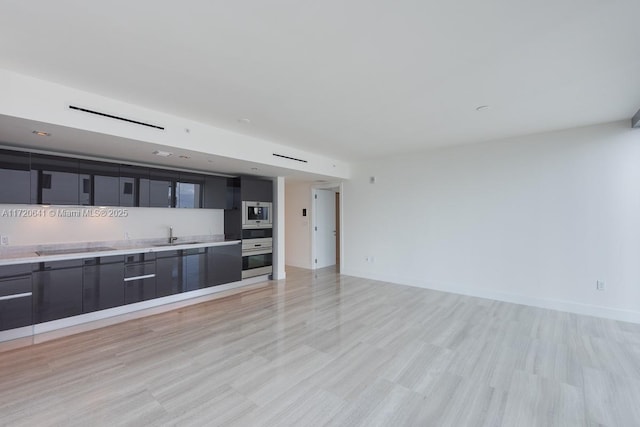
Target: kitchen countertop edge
32	257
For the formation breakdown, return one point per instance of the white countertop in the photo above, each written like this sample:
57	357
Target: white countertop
30	255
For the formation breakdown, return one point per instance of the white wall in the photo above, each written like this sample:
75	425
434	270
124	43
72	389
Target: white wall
140	223
535	220
298	228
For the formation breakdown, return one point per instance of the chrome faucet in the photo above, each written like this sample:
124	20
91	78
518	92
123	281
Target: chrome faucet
171	238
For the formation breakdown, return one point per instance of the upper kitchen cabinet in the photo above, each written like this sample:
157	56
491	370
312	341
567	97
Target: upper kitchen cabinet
215	192
258	190
162	184
234	198
54	180
134	186
99	183
15	169
189	190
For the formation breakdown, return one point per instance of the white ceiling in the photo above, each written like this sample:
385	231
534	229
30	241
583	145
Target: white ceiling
349	79
18	134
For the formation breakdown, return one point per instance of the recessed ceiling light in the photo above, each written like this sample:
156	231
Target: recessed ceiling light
254	169
244	121
184	157
41	133
162	153
482	108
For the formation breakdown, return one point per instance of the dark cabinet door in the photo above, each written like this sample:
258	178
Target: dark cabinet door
215	192
54	180
99	183
134	186
170	273
16	306
15	177
224	264
195	269
256	190
139	282
57	288
102	283
162	185
233	194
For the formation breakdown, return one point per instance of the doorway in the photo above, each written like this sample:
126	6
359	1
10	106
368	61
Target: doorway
326	227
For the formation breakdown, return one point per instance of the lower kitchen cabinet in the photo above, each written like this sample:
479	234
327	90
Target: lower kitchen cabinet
195	269
224	264
139	279
169	273
47	291
16	302
102	283
57	289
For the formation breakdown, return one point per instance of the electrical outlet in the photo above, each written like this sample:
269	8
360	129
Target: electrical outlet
600	285
4	240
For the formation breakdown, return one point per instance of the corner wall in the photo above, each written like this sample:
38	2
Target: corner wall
298	228
533	220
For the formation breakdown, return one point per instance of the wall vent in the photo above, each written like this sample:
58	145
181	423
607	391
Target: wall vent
290	158
111	116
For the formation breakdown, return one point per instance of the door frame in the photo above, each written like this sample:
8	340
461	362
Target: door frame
339	188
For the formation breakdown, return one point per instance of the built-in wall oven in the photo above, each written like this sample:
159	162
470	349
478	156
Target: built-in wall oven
257	252
257	214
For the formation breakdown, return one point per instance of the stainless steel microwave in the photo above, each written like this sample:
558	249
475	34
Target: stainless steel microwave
257	214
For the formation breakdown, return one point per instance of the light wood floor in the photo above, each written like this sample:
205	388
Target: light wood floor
323	349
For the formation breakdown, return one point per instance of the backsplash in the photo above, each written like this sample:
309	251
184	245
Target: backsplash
28	225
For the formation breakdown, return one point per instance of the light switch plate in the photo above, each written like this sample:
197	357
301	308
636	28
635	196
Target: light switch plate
4	240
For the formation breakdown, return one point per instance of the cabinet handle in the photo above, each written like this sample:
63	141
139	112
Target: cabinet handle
146	276
16	296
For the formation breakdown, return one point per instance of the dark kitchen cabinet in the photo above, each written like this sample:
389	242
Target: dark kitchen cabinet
139	277
224	264
57	288
256	190
233	194
233	211
55	180
170	278
189	190
215	192
195	268
162	184
134	186
15	176
16	303
102	283
99	183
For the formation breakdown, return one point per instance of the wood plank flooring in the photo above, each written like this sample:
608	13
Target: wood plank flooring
324	349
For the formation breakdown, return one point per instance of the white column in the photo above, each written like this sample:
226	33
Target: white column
279	226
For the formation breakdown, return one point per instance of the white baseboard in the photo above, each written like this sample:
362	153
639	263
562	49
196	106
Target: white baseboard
553	304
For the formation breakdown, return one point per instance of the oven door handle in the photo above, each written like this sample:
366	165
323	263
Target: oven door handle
259	251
